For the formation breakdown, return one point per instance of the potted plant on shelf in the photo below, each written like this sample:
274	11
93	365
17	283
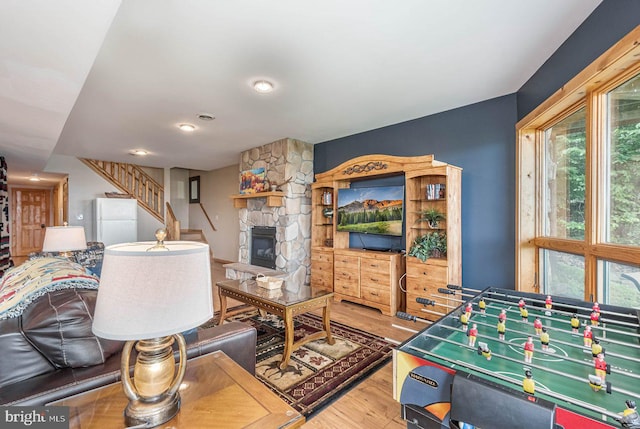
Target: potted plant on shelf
429	245
432	216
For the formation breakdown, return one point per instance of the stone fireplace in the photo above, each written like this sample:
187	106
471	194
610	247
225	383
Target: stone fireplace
289	165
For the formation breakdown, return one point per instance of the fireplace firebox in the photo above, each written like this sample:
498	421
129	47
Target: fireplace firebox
263	246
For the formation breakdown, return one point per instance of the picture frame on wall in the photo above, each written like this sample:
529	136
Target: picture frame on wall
253	181
194	189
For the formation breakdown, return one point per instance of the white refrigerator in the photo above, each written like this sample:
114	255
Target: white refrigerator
116	220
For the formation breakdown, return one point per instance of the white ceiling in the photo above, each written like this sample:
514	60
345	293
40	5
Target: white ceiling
98	79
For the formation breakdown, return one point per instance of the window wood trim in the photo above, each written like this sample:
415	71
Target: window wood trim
613	67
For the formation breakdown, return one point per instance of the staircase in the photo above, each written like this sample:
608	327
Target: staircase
132	180
195	235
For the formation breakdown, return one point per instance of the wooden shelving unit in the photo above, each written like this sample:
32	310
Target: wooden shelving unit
371	278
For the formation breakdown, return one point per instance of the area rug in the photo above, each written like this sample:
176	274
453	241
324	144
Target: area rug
317	373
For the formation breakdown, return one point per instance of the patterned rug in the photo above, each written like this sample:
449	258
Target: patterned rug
317	373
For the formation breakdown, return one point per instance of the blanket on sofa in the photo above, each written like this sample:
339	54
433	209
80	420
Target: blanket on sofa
23	284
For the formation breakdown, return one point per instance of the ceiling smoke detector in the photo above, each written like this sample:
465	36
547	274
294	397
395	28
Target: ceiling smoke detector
205	117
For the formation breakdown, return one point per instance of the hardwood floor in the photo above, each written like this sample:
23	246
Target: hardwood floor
370	404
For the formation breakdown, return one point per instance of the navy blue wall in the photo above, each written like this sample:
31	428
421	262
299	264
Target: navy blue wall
608	23
480	138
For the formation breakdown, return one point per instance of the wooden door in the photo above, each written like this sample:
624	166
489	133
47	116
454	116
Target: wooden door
31	214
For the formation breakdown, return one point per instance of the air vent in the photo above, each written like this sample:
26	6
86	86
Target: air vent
206	117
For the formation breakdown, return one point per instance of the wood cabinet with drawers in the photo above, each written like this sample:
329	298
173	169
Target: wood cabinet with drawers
369	278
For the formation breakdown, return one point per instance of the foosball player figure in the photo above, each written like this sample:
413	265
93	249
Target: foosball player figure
630	417
537	325
473	334
548	303
596	349
528	385
465	321
587	336
521	303
524	313
575	323
595	318
501	329
544	339
482	306
468	310
483	349
528	350
503	315
601	367
596	307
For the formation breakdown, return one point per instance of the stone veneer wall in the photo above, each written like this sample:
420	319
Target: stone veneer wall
282	159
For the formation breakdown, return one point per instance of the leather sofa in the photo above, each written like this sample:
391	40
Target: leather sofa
48	351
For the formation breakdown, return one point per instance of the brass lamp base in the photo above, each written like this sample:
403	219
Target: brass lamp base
139	412
153	392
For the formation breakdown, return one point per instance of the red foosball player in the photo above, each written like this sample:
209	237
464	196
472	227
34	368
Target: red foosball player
596	307
501	328
596	349
468	310
473	334
601	367
548	303
465	321
503	315
537	325
482	306
524	313
544	339
528	385
575	323
595	318
587	336
528	350
521	303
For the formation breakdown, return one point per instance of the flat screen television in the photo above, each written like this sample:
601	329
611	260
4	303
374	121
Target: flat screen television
371	210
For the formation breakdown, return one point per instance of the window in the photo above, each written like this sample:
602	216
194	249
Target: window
578	202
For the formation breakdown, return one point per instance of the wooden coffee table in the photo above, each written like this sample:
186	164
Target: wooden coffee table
216	393
285	302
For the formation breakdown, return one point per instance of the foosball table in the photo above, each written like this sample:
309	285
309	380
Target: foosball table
506	359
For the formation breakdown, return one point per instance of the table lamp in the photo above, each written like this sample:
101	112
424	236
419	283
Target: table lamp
149	293
64	239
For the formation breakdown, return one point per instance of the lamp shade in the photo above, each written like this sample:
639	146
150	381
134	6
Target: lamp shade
148	292
64	239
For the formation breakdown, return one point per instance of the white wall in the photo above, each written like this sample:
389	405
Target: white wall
216	187
179	195
84	187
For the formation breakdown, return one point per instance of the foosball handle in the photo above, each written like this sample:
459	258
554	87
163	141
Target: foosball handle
446	291
454	287
406	316
425	301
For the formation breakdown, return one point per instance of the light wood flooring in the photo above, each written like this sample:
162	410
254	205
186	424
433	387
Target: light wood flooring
370	404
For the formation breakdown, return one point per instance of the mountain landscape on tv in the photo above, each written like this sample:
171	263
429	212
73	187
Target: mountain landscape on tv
370	215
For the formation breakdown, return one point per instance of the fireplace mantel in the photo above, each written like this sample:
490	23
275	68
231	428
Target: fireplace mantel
274	199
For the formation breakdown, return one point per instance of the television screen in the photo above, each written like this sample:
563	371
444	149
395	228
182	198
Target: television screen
371	210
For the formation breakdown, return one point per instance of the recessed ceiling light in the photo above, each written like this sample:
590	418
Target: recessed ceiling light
139	152
205	117
263	86
187	127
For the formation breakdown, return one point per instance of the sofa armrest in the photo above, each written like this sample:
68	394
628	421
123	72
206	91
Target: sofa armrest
236	339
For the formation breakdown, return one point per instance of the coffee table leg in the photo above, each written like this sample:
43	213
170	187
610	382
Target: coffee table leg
223	306
288	339
326	321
